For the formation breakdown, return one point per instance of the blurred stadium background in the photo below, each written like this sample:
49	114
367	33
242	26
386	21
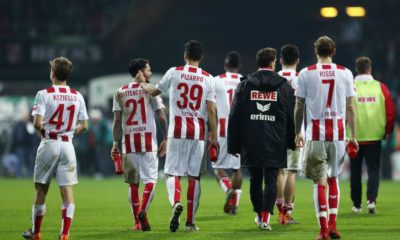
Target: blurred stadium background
101	36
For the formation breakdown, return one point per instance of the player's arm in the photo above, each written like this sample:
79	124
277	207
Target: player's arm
164	129
150	89
116	131
212	123
38	124
351	118
298	119
81	127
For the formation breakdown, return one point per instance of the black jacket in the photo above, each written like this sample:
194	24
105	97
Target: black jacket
261	124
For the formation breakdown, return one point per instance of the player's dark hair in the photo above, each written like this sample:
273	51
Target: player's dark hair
232	60
137	64
325	46
194	50
363	65
62	68
289	54
265	57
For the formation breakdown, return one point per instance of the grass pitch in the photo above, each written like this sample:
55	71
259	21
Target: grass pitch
102	212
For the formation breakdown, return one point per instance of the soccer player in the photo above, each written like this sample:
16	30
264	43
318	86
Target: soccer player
191	102
286	182
326	89
134	112
59	115
375	121
225	87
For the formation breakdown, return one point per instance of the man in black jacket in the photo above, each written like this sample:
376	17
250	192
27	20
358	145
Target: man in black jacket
261	128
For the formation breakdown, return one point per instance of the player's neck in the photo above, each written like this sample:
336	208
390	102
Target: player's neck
232	70
324	60
291	67
59	83
192	63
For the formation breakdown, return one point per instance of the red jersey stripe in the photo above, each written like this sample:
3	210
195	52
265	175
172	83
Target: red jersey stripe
286	74
128	143
192	69
234	76
341	129
326	67
205	73
178	127
222	127
50	90
312	67
180	68
222	75
340	67
189	128
137	139
328	129
148	142
135	85
202	128
73	91
125	86
315	129
62	90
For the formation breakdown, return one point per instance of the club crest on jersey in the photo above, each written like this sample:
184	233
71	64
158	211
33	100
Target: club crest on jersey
263	96
263	108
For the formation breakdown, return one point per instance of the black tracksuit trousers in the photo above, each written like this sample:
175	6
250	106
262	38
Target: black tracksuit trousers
263	199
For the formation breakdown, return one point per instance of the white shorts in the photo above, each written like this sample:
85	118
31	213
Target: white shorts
55	157
323	159
294	159
184	157
225	160
140	165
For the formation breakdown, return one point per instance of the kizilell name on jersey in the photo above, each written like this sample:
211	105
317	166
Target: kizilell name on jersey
65	98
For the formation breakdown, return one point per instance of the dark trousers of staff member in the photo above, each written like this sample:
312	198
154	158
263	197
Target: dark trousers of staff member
371	153
263	199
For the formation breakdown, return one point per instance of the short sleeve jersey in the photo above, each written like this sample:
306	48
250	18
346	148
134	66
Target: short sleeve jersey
188	88
291	76
325	88
138	118
225	88
61	107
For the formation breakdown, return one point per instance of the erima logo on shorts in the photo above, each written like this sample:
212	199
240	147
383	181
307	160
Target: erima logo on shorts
263	96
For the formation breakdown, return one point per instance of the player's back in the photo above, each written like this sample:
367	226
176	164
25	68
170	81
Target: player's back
138	118
189	89
225	87
291	76
61	108
326	87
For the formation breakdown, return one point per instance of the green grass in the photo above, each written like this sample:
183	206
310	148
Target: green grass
103	213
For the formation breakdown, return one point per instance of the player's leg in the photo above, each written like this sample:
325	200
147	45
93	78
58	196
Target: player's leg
316	169
67	211
175	159
280	183
336	153
223	179
373	160
194	189
269	195
45	165
237	180
288	193
66	176
256	192
355	180
131	176
220	165
148	171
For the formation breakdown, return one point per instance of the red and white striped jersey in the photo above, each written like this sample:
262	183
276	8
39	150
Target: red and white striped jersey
189	88
139	132
325	88
291	76
225	87
61	108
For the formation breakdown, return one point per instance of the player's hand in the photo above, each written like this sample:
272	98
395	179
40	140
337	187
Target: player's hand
214	143
162	150
354	142
299	140
114	149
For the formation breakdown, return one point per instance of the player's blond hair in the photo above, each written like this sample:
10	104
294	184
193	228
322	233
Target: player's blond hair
61	67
